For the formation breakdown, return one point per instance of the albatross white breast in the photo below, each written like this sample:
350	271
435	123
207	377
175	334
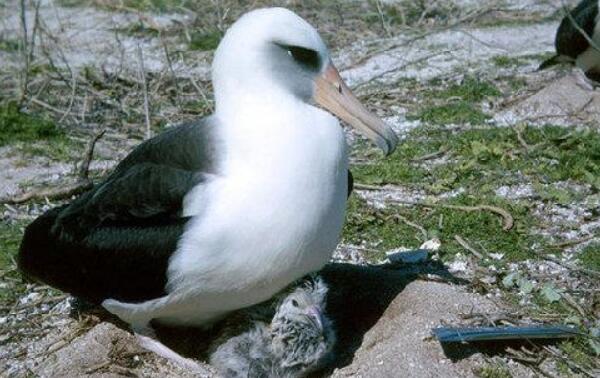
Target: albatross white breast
222	213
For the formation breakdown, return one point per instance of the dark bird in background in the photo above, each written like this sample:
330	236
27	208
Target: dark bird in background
298	340
573	37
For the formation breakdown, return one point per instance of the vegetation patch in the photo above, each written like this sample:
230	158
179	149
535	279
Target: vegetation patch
9	45
383	228
10	238
457	113
493	371
205	41
504	61
17	126
483	159
471	89
139	29
590	257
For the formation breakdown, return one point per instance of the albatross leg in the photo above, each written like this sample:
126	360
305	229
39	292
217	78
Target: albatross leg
153	345
139	315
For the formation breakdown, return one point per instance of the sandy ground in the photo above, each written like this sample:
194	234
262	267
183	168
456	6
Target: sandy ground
383	314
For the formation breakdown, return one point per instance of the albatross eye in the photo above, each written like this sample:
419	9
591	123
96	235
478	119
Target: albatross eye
294	303
305	57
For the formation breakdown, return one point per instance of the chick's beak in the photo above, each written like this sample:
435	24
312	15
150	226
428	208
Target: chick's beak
315	315
333	94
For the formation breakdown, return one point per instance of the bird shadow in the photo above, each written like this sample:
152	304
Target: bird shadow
359	296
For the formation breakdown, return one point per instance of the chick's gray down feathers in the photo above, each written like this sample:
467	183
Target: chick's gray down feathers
296	340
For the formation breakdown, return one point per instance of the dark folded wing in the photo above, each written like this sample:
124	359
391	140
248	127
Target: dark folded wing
115	241
570	41
150	182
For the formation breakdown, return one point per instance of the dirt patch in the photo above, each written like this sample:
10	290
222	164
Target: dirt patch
400	340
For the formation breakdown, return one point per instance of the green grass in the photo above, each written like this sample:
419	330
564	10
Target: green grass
470	89
461	102
138	29
455	113
493	371
478	162
32	135
9	45
483	159
142	5
482	229
590	257
504	61
16	126
204	41
10	237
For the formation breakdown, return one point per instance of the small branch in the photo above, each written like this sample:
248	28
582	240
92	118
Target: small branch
384	24
82	184
62	192
507	219
200	92
24	51
570	243
430	156
89	155
36	24
410	223
399	68
589	272
571	301
145	88
359	186
556	353
466	246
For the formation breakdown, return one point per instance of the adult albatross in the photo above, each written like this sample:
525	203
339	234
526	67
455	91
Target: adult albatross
222	213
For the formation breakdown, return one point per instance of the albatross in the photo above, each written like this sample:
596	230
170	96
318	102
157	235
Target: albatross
222	213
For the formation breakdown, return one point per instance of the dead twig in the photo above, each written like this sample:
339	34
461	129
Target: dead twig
24	51
82	184
98	367
145	89
410	223
62	192
399	68
84	169
466	18
570	243
359	186
507	219
555	260
466	246
430	156
571	301
384	24
569	361
519	131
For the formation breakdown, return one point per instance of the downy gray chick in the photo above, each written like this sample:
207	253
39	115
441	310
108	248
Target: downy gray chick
298	340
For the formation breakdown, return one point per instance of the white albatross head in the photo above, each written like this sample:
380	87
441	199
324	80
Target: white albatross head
274	52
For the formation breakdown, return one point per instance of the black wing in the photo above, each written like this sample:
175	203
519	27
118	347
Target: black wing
115	240
150	182
569	40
